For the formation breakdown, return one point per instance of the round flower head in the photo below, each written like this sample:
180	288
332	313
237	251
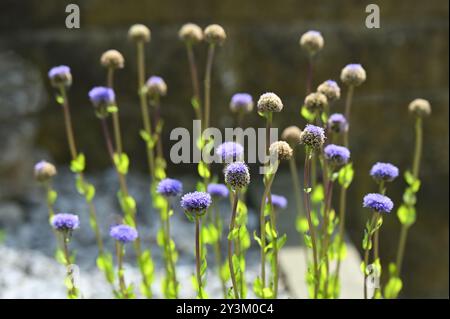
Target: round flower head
43	171
65	222
330	89
337	123
169	187
278	201
139	32
384	172
336	155
269	102
195	201
316	102
241	102
313	136
378	202
102	97
215	34
420	107
312	42
123	233
217	190
156	86
281	150
112	59
60	76
190	33
353	75
237	175
291	135
230	151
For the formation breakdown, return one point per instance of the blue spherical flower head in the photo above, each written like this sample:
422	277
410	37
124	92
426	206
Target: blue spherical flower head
237	175
123	233
336	155
60	76
218	190
313	137
353	74
384	172
102	97
230	151
379	203
278	201
241	102
196	202
65	222
337	123
169	187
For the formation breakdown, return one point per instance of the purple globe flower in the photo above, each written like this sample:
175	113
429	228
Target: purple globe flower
65	222
196	201
378	202
169	187
60	76
102	96
279	201
156	86
313	136
337	123
237	175
336	155
384	172
241	102
218	190
123	233
230	151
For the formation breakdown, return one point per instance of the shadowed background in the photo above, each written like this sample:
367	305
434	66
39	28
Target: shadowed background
404	59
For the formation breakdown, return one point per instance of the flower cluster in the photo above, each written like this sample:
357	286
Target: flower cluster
237	175
313	136
195	202
269	102
156	86
169	187
278	201
330	89
384	172
241	102
230	151
336	155
60	76
65	222
123	233
281	150
378	202
43	171
218	190
337	123
353	75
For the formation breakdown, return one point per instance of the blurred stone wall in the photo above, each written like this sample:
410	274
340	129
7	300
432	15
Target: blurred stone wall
404	59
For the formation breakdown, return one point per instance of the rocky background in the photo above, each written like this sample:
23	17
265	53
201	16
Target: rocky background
404	59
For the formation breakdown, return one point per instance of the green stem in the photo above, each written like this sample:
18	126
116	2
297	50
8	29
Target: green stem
326	234
208	70
171	270
230	245
348	106
307	201
372	224
194	80
273	222
144	106
217	249
72	291
376	237
198	256
120	271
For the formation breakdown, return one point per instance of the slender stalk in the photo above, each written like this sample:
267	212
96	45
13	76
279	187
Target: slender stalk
144	106
273	221
170	266
156	119
415	172
307	201
348	106
120	271
326	234
372	224
376	236
207	102
72	291
230	245
217	249
194	80
74	155
198	256
110	77
309	78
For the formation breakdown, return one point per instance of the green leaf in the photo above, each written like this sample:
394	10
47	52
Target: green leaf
122	162
307	115
233	234
195	103
112	109
301	224
406	215
78	164
258	287
257	239
409	178
346	174
281	241
308	241
161	237
89	192
318	194
393	288
52	195
203	170
225	271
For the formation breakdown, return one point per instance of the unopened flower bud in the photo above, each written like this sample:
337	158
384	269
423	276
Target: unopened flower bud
215	34
112	59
